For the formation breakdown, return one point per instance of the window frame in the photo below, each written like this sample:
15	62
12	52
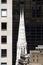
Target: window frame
3	2
3	25
2	63
3	37
2	10
3	55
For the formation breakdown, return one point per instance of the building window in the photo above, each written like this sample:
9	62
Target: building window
3	52
3	63
36	11
4	12
3	26
3	39
33	60
33	12
4	1
37	60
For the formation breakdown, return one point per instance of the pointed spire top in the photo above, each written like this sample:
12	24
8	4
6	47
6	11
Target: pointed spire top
22	13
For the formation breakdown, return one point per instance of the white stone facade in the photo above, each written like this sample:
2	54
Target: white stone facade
8	32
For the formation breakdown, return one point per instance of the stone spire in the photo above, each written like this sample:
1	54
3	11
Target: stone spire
21	43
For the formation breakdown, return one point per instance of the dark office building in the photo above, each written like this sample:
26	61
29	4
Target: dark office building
16	13
34	23
33	10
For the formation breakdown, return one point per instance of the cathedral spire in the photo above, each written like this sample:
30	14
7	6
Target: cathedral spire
21	43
